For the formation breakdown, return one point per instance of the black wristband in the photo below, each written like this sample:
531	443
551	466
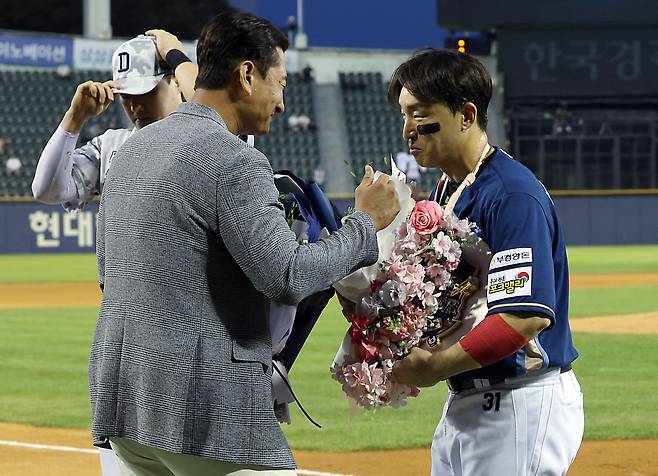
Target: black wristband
175	58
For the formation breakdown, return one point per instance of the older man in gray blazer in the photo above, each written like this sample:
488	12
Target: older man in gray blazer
192	245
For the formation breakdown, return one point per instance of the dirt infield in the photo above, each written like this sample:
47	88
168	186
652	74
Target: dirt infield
13	296
612	280
596	458
88	294
20	457
643	323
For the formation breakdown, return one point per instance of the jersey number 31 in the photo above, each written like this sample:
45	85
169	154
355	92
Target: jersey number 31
491	401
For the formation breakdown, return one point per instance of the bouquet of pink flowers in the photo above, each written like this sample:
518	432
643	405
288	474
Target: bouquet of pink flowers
416	294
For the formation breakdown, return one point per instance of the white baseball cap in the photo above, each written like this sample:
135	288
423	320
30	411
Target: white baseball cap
137	66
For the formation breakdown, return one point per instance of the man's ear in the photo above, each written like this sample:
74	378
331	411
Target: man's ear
246	76
469	115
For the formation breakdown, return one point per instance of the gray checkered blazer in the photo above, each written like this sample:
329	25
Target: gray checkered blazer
192	244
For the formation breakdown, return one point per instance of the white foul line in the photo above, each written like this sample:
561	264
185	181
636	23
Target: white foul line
72	449
319	473
33	446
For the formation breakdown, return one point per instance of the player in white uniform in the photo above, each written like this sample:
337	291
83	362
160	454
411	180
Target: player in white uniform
150	90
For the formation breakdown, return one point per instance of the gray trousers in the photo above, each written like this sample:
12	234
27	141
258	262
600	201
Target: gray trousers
139	460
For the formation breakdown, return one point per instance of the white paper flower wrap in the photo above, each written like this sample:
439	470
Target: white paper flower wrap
357	284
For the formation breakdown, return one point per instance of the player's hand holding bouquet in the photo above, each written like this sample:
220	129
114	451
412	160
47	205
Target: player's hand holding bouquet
413	293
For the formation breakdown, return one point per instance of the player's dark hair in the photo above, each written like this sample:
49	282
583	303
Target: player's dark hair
230	38
436	75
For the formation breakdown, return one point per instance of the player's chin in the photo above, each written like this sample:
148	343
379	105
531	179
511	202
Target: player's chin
420	156
426	159
263	128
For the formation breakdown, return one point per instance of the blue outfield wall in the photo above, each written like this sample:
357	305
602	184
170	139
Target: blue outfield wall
598	220
609	220
28	227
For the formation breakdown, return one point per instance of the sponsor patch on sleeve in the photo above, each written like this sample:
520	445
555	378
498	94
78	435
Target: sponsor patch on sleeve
511	257
510	283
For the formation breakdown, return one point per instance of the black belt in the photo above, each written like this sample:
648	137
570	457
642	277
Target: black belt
457	385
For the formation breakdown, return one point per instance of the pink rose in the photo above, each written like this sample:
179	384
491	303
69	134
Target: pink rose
427	217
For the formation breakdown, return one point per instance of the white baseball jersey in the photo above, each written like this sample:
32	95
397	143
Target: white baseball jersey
73	177
91	163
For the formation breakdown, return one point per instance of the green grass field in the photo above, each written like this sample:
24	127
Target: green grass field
44	362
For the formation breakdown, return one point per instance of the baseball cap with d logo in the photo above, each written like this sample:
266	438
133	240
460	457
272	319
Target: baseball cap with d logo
137	67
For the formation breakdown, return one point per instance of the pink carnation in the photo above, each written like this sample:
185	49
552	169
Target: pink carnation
442	244
397	393
413	279
454	252
409	273
394	266
362	374
426	295
440	275
461	228
452	265
413	319
408	240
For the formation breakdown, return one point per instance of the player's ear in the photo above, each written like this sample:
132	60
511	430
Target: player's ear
246	72
469	114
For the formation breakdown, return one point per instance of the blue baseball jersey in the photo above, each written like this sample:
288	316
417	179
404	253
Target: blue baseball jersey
528	272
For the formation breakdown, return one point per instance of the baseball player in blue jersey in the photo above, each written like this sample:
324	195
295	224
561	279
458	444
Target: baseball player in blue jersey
515	406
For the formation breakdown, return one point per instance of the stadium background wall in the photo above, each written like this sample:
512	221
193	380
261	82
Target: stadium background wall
30	227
